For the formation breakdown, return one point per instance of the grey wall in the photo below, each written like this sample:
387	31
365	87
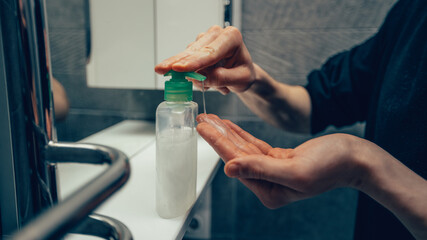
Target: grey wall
287	38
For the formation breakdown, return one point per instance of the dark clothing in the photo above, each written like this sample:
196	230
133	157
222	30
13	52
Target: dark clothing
383	81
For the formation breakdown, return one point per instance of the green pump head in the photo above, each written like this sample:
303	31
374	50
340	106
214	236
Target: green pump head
178	88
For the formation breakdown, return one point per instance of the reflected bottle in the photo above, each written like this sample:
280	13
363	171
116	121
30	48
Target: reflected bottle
176	146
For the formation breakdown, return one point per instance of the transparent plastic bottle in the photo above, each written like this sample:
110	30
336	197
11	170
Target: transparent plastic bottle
176	146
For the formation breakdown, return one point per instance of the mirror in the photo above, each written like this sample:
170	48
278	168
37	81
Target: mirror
128	37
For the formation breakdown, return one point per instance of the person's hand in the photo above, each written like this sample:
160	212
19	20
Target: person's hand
281	176
220	55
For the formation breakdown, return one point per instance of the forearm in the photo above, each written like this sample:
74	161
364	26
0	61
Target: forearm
279	104
395	186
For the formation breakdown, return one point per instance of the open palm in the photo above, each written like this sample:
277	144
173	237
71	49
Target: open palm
279	176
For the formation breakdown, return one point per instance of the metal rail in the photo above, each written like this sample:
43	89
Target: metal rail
104	227
66	215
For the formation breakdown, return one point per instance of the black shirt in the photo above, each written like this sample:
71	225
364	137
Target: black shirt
382	81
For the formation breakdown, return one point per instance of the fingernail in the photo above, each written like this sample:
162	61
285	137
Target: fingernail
233	170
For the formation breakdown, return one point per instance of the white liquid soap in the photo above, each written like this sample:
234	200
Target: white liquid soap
176	173
176	147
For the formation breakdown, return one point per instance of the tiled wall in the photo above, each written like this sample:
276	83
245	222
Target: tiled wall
287	38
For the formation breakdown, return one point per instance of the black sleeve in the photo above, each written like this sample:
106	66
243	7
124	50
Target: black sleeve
340	91
345	88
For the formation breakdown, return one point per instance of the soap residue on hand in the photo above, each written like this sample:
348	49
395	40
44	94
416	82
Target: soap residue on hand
224	129
228	130
214	121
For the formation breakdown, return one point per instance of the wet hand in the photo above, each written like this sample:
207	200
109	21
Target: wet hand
220	55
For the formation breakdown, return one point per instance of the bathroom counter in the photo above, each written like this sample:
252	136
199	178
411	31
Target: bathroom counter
134	203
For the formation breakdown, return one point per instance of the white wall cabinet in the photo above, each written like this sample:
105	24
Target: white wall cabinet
128	37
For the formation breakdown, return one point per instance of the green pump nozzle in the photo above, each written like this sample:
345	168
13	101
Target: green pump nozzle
178	88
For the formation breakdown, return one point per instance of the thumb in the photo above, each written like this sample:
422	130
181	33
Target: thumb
239	78
253	166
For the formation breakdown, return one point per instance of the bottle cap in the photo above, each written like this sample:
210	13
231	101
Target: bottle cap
178	88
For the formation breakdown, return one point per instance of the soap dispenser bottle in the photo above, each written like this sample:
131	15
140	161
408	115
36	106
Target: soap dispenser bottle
176	146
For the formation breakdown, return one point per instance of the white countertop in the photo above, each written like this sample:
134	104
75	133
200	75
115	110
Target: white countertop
134	203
